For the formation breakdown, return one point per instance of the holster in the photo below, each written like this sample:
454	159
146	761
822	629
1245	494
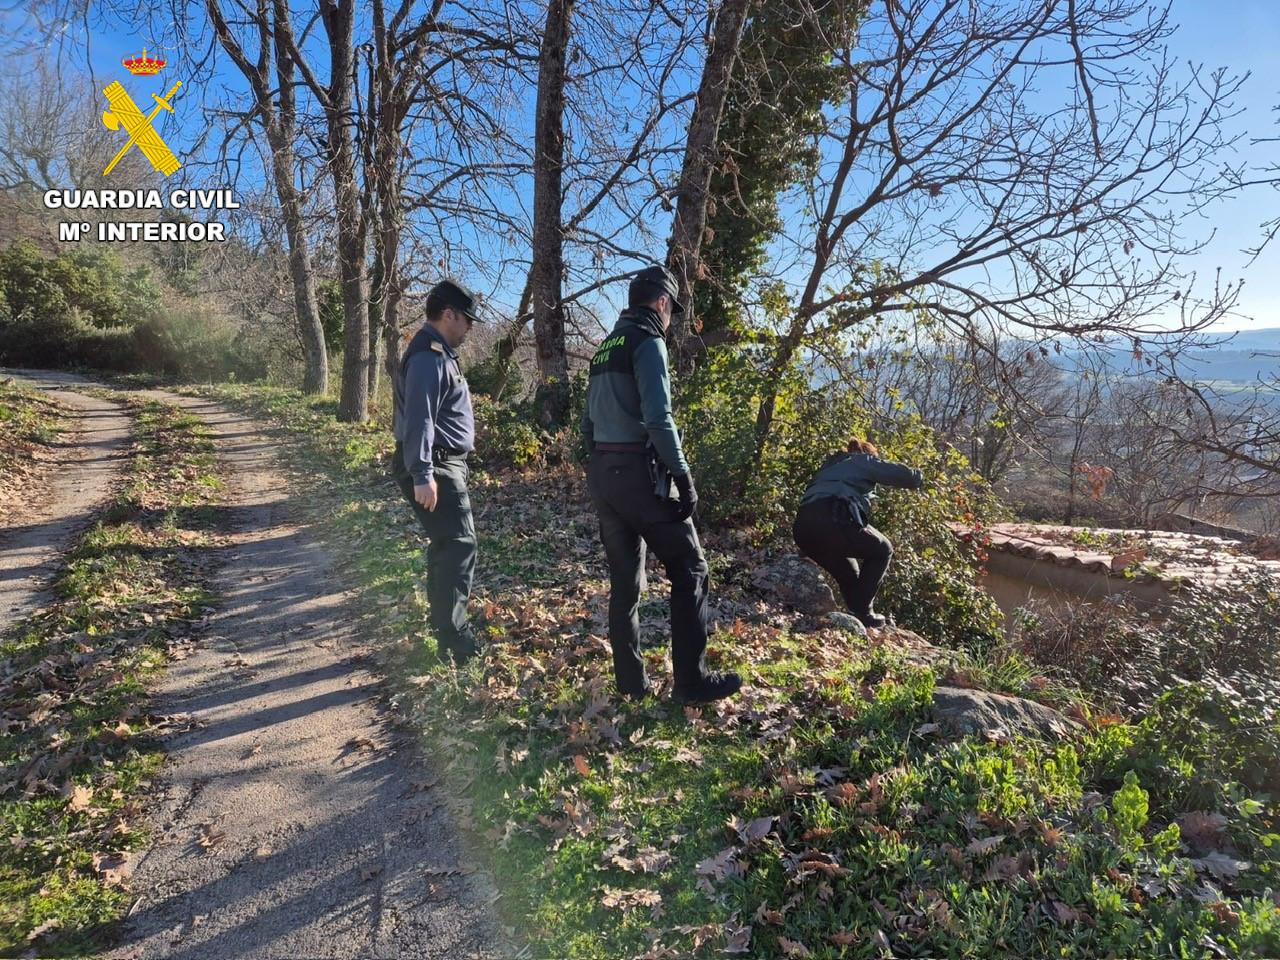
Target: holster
659	475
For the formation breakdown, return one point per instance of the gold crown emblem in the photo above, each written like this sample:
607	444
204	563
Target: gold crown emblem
143	66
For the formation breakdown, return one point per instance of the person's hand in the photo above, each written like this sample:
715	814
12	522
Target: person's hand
425	494
688	501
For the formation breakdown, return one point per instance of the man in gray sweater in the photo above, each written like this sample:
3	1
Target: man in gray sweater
832	527
635	457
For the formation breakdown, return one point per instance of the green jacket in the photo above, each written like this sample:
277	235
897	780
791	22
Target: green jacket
629	396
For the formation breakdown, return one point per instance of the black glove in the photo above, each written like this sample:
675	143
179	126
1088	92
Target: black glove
688	501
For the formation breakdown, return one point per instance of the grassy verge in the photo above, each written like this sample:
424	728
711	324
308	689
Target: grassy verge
74	732
28	420
819	814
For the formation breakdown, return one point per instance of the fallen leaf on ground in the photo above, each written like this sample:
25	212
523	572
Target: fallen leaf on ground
1203	829
630	899
210	836
112	867
737	936
1221	866
985	845
79	798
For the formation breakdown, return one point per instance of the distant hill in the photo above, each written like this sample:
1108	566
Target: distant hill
1245	357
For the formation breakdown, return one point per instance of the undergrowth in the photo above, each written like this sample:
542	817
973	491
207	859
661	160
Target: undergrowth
821	813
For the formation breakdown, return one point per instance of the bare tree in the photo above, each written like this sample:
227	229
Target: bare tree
952	183
336	97
701	156
547	271
272	78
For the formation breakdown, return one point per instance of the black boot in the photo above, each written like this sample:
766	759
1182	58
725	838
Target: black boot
870	619
710	686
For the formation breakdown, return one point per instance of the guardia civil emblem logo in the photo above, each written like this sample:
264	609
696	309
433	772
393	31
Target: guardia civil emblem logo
124	113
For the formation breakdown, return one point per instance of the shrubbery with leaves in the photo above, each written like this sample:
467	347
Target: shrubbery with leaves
933	585
87	309
1203	670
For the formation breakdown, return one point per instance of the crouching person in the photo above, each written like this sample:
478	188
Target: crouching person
832	527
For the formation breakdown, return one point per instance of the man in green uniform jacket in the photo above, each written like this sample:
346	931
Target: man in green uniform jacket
635	457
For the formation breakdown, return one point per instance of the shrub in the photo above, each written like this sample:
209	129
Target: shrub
85	309
932	587
93	283
506	434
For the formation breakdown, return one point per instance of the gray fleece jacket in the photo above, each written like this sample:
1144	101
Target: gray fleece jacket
853	477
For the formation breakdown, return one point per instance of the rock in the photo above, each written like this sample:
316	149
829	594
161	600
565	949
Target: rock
795	582
845	621
977	711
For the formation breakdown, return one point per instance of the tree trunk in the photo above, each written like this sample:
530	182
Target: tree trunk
547	269
338	17
277	111
307	313
701	149
505	348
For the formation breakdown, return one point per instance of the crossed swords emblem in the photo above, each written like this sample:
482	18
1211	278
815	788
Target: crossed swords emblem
125	113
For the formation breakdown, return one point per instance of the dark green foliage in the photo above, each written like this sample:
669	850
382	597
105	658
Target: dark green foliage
92	283
782	79
85	309
493	374
1195	743
1228	639
333	316
1206	673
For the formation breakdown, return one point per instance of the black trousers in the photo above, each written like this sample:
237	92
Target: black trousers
451	551
857	556
631	517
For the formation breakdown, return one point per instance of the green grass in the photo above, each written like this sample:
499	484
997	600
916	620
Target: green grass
818	814
75	739
27	419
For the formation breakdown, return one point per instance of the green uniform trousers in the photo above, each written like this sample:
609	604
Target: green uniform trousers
451	551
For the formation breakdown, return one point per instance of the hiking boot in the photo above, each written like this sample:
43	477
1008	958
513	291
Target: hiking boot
871	620
460	651
711	686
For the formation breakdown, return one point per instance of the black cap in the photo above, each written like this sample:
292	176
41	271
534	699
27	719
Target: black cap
450	293
659	278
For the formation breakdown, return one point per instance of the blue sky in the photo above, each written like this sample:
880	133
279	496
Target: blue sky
1243	35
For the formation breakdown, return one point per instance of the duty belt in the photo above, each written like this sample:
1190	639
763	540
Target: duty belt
447	453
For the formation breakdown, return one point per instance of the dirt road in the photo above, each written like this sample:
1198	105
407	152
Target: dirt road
89	458
287	823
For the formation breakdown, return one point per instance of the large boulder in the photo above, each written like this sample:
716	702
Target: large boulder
977	712
795	582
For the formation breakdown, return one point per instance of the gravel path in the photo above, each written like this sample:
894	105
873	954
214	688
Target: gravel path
319	839
288	822
87	464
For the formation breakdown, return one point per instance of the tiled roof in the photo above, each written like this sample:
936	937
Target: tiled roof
1159	555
